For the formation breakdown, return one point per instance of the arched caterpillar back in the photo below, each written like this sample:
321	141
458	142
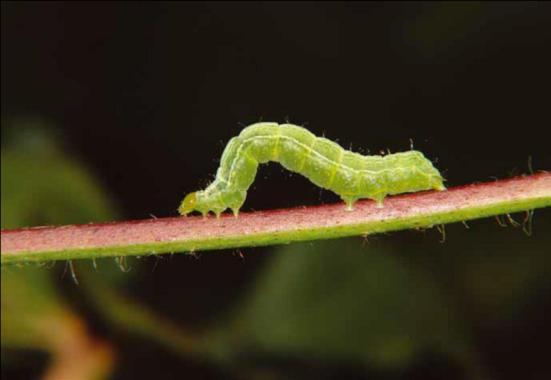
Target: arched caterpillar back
350	175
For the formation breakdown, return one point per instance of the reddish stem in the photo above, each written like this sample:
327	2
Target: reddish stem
422	209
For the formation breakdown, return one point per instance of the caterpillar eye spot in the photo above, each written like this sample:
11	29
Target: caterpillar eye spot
350	175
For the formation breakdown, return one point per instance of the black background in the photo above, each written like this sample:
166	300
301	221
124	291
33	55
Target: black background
147	94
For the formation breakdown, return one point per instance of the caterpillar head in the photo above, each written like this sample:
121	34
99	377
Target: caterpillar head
188	204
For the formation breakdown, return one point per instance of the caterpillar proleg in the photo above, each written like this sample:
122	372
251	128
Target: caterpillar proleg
350	175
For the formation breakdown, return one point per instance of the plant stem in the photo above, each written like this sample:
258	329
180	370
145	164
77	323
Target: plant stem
190	234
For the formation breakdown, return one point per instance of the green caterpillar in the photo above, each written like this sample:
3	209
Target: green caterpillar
350	175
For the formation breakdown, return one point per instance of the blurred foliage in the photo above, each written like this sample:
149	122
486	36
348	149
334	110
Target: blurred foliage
343	301
41	185
35	316
366	312
30	304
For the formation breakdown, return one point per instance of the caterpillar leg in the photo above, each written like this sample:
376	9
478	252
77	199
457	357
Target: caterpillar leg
378	198
218	210
349	201
235	201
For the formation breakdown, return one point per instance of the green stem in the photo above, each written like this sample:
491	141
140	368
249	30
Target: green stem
190	234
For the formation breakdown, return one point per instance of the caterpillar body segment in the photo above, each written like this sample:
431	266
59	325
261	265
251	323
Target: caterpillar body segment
325	163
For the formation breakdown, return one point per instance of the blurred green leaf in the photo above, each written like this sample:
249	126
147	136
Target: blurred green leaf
29	299
344	301
40	185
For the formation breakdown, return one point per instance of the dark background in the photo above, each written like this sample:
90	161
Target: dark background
147	94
